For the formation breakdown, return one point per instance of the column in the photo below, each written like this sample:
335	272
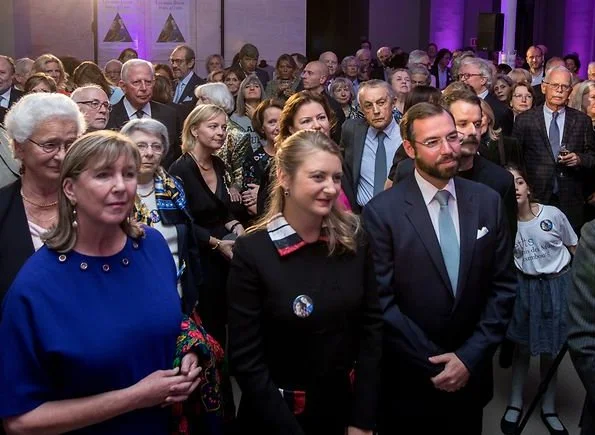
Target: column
508	55
447	23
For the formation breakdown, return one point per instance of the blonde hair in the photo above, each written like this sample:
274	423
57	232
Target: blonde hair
343	226
40	63
104	147
201	113
487	110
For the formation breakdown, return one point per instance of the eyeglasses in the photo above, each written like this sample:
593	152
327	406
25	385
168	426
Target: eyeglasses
467	76
523	97
157	148
96	104
51	147
454	138
558	86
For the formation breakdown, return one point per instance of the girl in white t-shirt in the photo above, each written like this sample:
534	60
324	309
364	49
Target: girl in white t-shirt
543	246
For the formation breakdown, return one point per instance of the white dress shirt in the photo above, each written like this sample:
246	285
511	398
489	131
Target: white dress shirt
131	111
5	98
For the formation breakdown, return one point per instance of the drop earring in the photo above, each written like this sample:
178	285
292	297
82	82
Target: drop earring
75	224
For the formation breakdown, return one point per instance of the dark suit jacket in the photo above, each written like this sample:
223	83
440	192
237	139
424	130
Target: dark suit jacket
162	113
188	98
434	72
265	334
15	95
484	172
539	96
16	245
502	113
581	323
504	151
540	163
422	317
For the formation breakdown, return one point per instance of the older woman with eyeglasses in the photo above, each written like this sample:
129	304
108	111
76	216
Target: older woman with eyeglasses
522	96
40	128
161	203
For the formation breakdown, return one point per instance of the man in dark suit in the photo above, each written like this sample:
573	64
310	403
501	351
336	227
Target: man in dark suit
248	59
446	312
465	108
182	60
137	83
477	73
557	175
581	323
370	144
8	93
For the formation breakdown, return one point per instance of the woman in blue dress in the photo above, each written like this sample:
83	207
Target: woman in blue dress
89	325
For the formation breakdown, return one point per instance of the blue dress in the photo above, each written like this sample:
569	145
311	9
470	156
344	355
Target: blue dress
75	326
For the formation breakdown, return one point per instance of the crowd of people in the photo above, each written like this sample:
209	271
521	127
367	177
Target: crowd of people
350	240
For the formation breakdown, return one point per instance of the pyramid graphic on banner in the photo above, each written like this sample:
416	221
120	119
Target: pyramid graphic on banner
170	32
117	31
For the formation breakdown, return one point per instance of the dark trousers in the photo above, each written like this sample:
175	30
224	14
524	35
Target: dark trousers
462	422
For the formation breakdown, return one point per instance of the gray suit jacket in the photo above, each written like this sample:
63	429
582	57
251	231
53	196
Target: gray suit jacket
581	322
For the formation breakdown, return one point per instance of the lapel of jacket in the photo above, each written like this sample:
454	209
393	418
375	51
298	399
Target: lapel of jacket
188	89
569	121
468	222
418	215
543	131
119	114
360	131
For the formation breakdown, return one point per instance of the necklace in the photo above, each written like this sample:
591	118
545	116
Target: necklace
148	194
204	168
50	204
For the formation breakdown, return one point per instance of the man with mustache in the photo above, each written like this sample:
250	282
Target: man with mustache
445	315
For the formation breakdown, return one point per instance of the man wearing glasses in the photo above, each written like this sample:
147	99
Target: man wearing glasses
94	105
182	60
558	146
477	73
445	315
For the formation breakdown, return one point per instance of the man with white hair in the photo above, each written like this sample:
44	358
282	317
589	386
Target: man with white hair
557	176
22	71
94	105
477	73
138	79
8	93
331	61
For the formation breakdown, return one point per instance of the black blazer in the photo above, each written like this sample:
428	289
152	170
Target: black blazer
162	113
484	172
353	138
188	98
503	114
270	347
434	72
16	245
503	151
15	95
422	317
540	163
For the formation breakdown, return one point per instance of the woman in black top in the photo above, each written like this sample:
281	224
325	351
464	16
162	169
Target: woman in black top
304	318
206	185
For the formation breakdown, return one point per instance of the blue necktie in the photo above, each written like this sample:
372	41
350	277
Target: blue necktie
448	239
554	134
178	93
380	164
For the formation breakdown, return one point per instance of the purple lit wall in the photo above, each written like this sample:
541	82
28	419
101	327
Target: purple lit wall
578	31
447	23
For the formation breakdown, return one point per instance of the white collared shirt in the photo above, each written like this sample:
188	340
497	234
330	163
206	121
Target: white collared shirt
131	111
428	192
538	78
181	86
484	94
392	142
5	100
